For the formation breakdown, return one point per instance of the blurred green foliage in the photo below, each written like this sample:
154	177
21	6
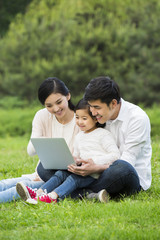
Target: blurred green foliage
154	115
8	10
16	121
77	40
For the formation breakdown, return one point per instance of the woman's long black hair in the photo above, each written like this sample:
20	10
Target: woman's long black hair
53	85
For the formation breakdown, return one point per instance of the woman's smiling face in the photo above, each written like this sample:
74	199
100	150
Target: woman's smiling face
57	104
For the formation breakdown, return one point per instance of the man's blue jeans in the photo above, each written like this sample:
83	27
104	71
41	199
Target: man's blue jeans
119	178
64	183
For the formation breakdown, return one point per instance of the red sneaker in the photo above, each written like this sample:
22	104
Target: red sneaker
32	192
46	198
24	191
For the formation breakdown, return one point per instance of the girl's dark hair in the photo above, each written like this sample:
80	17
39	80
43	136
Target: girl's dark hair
53	85
102	88
83	104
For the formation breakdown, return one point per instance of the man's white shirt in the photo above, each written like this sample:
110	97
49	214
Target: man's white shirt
131	131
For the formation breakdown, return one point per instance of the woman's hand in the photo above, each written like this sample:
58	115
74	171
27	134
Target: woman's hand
37	178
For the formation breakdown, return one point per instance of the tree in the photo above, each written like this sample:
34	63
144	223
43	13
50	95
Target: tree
80	41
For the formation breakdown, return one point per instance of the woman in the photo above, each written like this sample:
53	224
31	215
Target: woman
57	119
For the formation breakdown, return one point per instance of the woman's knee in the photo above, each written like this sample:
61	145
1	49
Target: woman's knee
45	174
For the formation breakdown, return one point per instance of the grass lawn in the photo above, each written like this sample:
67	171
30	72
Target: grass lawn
136	217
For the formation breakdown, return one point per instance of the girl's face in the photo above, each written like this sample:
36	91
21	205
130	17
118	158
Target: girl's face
84	120
57	104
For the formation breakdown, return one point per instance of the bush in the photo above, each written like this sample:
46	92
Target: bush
12	102
80	41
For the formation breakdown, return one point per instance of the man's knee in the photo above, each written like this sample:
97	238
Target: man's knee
121	167
115	178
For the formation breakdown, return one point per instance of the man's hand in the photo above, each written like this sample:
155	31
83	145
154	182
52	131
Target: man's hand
88	167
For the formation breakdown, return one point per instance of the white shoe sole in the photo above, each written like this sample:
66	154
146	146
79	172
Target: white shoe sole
103	196
22	191
31	201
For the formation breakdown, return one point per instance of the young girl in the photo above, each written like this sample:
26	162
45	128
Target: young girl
92	142
57	119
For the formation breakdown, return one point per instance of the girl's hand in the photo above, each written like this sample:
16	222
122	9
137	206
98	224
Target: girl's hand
77	161
87	167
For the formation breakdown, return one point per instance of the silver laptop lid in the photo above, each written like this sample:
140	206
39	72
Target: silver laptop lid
53	152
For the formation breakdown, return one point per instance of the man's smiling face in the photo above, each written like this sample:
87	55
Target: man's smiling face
102	111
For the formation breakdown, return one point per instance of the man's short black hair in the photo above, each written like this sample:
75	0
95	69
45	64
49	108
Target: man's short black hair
102	88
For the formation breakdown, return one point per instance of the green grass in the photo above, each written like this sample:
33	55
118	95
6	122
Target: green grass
16	121
136	217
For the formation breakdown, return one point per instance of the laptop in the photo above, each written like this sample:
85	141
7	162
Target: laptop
53	152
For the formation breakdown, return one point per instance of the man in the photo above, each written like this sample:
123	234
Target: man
130	127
